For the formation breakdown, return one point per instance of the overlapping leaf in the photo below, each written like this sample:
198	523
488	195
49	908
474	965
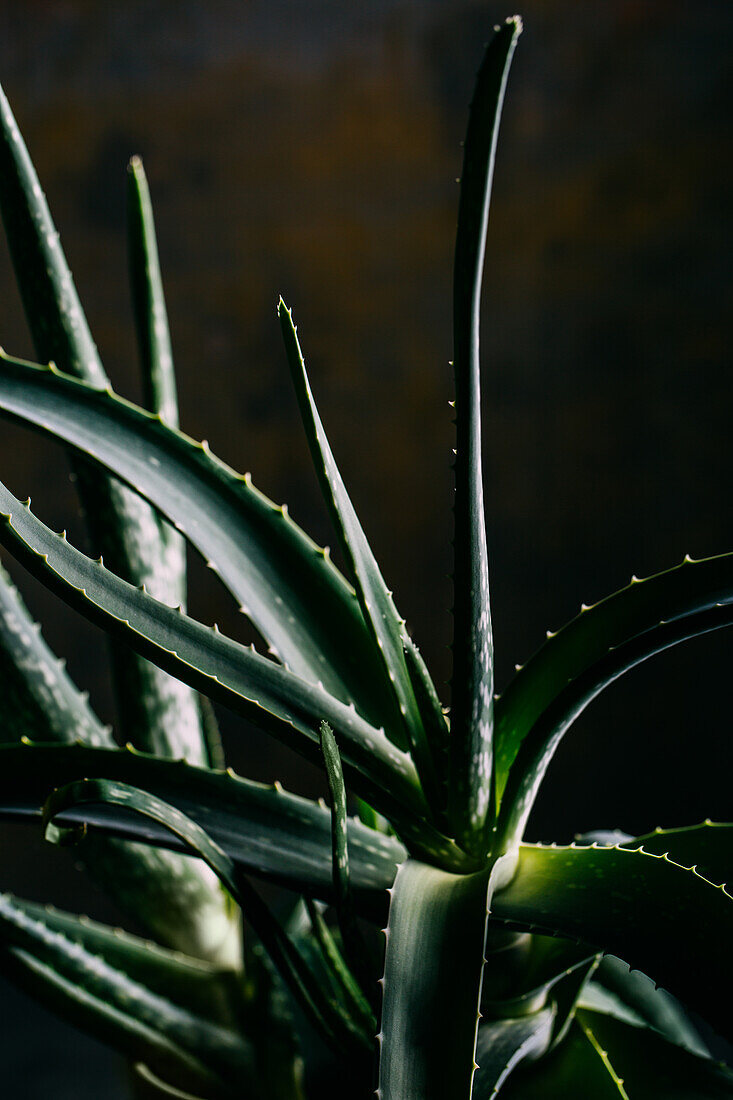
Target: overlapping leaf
632	904
288	587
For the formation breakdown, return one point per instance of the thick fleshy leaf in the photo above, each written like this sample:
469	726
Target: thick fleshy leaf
502	1045
327	1015
473	660
386	625
284	583
50	960
619	991
148	299
432	982
708	847
577	1069
574	665
156	712
41	701
267	831
653	1068
272	696
524	970
632	904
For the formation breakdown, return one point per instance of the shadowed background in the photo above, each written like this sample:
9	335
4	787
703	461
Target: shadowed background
312	150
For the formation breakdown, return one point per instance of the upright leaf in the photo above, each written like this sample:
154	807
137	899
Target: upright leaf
386	626
432	982
473	676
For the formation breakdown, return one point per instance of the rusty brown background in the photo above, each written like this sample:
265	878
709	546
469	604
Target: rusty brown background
311	149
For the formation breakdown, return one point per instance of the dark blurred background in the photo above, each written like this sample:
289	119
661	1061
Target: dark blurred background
312	150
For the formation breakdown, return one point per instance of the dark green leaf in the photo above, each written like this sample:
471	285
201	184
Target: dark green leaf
503	1044
473	660
635	905
289	588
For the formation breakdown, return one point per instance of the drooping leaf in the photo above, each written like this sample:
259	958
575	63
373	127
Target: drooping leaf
472	689
289	588
326	1014
101	997
574	665
386	625
651	1067
502	1045
632	904
268	832
275	698
432	982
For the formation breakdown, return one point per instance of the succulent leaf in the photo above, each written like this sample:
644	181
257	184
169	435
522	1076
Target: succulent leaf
597	895
251	684
290	590
326	1014
575	664
268	832
502	1045
432	981
578	1067
386	626
52	960
473	658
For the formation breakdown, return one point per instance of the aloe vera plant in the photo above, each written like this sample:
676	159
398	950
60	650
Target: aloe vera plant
429	953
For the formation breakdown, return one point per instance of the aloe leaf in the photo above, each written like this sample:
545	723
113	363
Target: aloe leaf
267	831
41	700
148	299
651	1067
708	847
432	982
249	683
521	974
155	711
576	1069
575	664
327	1015
353	941
627	991
502	1045
598	895
337	972
473	673
103	999
189	982
289	588
386	625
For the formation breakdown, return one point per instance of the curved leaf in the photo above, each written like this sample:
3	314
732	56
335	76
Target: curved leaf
432	982
275	698
103	999
288	587
41	700
633	997
631	904
386	625
326	1014
156	712
502	1045
473	659
577	662
265	830
651	1067
575	1070
708	847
